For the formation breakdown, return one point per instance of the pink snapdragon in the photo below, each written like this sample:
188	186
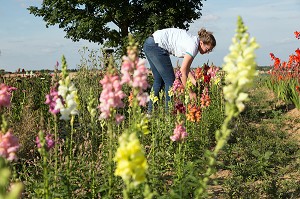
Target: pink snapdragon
5	94
212	71
178	87
51	100
143	98
140	76
126	70
134	73
179	133
9	144
49	141
111	95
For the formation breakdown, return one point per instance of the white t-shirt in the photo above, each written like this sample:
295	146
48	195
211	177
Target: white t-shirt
177	41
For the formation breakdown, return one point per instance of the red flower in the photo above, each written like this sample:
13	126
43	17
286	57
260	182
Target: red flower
298	89
297	34
179	108
206	78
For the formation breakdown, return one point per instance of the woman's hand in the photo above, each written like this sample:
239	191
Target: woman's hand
193	96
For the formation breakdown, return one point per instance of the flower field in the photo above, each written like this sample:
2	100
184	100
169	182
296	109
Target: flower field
89	135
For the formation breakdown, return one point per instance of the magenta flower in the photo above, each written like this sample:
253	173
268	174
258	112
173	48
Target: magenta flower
51	100
178	74
179	133
49	142
5	95
111	95
177	87
9	144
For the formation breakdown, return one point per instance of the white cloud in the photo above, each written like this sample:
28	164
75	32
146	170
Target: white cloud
209	18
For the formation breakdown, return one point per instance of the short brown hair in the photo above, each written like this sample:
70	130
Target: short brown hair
207	37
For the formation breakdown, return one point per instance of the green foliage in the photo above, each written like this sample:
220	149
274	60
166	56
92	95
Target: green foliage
95	21
260	157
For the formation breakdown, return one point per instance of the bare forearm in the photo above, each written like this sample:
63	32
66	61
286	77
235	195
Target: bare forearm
185	68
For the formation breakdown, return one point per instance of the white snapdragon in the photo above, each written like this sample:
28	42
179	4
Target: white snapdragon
240	67
68	103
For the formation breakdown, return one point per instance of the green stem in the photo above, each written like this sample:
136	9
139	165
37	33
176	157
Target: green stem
93	160
46	181
110	159
68	166
71	136
55	150
221	138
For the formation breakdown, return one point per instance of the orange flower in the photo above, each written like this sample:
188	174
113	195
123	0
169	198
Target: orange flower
205	99
198	73
194	113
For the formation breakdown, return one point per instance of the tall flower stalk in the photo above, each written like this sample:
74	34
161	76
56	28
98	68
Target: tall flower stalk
110	99
131	162
68	104
44	144
240	68
91	107
9	145
51	101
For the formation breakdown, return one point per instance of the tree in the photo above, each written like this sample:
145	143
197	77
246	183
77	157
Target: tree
108	22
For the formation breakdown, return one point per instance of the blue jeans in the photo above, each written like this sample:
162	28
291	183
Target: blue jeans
162	69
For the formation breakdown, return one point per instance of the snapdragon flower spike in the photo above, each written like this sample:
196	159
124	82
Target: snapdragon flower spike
48	141
68	103
178	74
179	133
212	71
9	145
111	95
5	95
134	73
177	87
179	108
130	159
205	98
240	67
51	100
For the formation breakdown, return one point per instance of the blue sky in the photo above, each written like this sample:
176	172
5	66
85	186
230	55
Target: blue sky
26	43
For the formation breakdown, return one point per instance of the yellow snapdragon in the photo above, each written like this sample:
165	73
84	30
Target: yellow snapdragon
130	159
152	97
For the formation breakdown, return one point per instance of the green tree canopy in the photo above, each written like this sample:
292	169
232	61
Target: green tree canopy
108	22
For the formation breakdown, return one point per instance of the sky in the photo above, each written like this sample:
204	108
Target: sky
26	43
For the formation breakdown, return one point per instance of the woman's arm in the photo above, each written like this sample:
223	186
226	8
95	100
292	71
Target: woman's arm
185	68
